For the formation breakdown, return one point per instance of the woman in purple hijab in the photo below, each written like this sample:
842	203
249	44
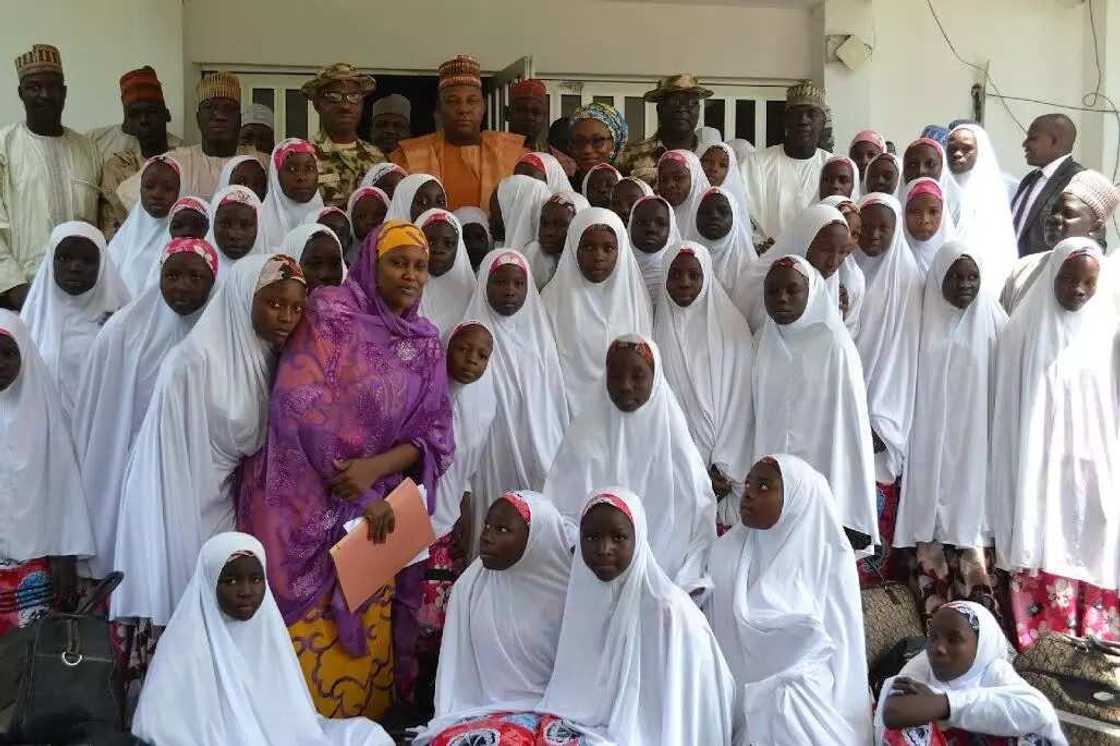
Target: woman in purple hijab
360	401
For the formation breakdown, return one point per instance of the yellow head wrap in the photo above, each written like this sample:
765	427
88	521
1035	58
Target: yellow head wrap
396	233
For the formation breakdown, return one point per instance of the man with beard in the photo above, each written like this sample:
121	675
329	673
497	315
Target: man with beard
678	114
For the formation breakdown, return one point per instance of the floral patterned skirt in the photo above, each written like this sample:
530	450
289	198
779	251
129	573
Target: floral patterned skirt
443	567
932	735
943	572
26	592
511	729
1041	603
887	563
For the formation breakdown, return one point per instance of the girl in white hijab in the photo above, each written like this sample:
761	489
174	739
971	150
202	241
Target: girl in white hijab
293	191
208	411
227	176
231	240
555	216
926	158
1052	484
379	171
809	394
637	663
944	510
639	438
416	194
927	221
884	175
447	294
797	653
503	621
120	375
225	671
137	246
46	519
476	233
653	234
852	287
549	168
682	182
596	295
74	293
732	250
320	267
839	177
963	687
519	200
708	355
982	213
732	181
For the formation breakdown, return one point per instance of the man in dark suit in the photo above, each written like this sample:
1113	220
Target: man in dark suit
1048	147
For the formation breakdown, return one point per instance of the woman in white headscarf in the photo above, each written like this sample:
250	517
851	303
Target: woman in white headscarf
503	626
139	242
649	450
447	294
637	663
215	236
543	262
548	166
797	653
589	312
652	237
982	213
925	231
672	167
218	679
208	411
293	196
519	200
414	196
69	301
810	400
732	253
981	698
708	354
46	520
1052	482
944	509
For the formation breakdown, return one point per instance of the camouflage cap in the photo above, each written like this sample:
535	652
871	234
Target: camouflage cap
335	73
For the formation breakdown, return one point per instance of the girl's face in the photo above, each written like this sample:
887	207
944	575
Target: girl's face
388	182
923	216
321	262
836	179
504	537
159	188
428	196
590	143
714	217
650	228
340	224
763	496
185	282
401	276
625	194
685	280
921	160
878	229
629	378
189	224
497	222
673	182
524	168
506	289
299	177
961	283
882	176
606	541
962	151
477	242
235	229
785	293
368	212
1076	281
597	254
600	186
1070	217
553	228
468	353
241	588
251	174
443	242
829	248
855	226
715	163
76	263
863	153
951	644
277	308
10	361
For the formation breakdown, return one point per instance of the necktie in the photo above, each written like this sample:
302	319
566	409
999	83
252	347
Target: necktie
1028	187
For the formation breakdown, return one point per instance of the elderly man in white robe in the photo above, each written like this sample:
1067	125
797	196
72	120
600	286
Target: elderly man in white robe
48	173
783	179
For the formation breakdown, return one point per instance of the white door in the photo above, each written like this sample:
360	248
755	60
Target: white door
294	114
498	97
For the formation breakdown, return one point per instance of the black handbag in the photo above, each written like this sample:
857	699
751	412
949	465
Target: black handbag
57	676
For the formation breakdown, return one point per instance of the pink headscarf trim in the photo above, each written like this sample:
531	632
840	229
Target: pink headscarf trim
872	137
165	161
192	246
609	498
189	203
533	160
520	506
509	257
329	209
925	187
296	146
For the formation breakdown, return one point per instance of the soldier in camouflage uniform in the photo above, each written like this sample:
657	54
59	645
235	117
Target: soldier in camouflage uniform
337	93
678	113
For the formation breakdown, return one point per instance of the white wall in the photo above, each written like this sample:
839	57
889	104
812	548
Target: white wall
98	41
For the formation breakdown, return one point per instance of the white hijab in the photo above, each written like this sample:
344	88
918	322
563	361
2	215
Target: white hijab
377	171
242	195
554	174
1052	483
471	215
217	681
503	626
945	480
295	243
280	213
225	177
698	185
850	276
598	167
532	408
946	181
797	652
733	254
733	182
542	264
925	251
586	316
898	168
637	663
139	243
856	191
63	326
650	452
653	265
810	401
708	354
400	206
982	213
990	697
41	497
446	297
208	411
520	199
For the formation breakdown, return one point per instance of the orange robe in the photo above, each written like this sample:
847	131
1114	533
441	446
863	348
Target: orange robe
469	173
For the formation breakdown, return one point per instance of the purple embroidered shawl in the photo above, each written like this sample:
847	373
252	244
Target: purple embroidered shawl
354	380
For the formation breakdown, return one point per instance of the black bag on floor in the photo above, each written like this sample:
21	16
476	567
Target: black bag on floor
57	676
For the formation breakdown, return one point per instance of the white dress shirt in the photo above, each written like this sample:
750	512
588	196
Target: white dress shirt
1047	172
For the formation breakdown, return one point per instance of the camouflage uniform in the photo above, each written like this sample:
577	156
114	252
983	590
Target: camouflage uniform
341	168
